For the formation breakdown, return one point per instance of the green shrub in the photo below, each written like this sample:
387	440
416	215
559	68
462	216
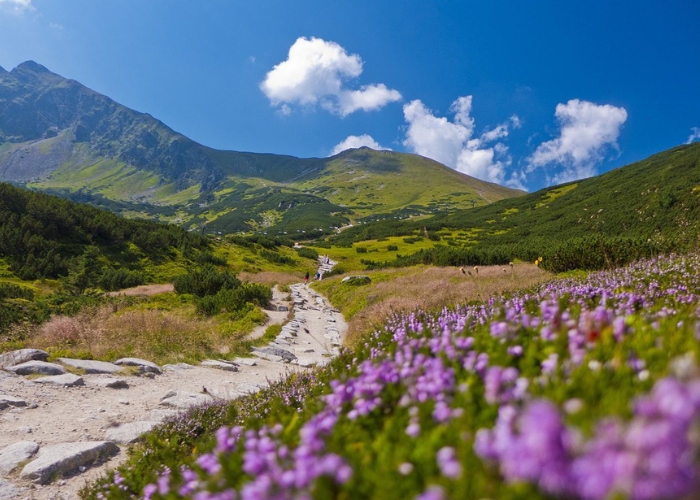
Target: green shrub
307	253
204	281
118	279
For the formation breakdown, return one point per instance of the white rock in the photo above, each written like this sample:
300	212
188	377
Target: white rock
13	455
110	383
64	457
245	361
184	400
142	364
65	380
6	401
221	365
129	433
9	490
91	366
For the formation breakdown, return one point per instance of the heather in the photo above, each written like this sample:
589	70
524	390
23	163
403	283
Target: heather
581	388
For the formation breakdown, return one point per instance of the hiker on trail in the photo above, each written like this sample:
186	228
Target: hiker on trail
306	277
318	275
328	260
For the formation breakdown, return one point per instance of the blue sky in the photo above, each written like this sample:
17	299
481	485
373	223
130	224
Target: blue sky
523	93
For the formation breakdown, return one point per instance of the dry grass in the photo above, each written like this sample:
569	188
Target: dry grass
271	278
427	288
160	336
143	290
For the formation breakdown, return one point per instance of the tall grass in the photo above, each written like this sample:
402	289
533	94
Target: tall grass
403	290
158	335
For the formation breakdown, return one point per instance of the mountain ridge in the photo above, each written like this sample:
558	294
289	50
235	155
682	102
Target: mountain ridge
56	134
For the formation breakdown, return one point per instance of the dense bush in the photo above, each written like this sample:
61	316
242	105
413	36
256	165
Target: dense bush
234	300
307	253
41	235
276	258
118	279
207	280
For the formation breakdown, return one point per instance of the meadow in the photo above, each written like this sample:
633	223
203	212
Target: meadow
581	387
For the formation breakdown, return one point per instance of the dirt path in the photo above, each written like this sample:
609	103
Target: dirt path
87	413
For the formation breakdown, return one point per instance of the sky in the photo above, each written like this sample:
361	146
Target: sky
526	94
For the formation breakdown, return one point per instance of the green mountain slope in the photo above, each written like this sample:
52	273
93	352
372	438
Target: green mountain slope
649	206
59	136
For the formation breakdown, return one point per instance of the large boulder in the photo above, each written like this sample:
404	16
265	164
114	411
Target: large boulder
12	358
37	368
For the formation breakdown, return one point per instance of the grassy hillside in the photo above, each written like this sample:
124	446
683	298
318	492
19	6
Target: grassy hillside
631	212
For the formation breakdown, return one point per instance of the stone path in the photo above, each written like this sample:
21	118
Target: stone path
64	424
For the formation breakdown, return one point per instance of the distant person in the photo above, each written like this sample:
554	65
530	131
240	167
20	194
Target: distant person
328	260
318	276
306	277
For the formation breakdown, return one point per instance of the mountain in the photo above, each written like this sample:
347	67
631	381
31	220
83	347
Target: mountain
60	136
634	211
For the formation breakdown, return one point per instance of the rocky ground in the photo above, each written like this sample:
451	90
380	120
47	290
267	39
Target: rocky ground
59	430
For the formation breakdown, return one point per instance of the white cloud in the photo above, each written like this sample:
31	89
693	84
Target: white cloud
587	131
356	141
16	6
451	142
694	136
315	73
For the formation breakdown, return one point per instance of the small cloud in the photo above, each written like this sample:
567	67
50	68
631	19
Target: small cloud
55	26
452	142
315	73
587	131
357	141
251	59
16	6
694	136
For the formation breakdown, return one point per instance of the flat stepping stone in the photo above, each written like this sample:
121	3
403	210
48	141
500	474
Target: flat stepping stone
277	351
142	364
65	380
129	433
110	383
248	388
245	361
161	414
13	455
91	366
6	401
9	490
183	400
20	356
58	459
268	357
37	368
227	393
177	367
220	365
305	362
